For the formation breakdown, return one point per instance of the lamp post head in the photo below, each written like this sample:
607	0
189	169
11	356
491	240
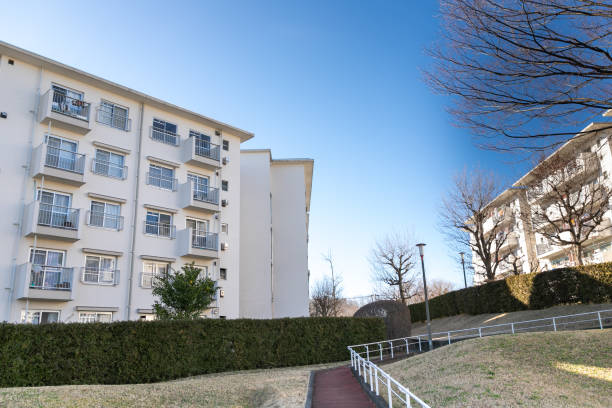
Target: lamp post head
462	254
421	246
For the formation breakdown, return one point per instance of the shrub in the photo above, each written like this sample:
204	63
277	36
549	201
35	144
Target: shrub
583	284
140	352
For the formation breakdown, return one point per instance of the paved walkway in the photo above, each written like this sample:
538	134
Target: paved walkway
337	387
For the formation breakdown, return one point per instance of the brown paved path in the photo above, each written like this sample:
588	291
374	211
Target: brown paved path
337	387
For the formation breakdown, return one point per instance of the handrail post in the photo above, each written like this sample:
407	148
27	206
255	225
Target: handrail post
449	341
371	384
420	349
554	324
389	395
407	399
408	346
599	318
512	326
380	349
367	353
376	380
391	343
479	332
358	367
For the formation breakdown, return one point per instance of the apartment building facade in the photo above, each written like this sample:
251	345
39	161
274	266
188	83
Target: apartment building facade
525	248
106	187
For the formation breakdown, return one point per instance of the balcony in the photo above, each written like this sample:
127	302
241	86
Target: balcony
201	153
58	165
510	242
51	221
603	230
108	169
198	245
165	136
104	220
66	112
43	282
194	197
91	276
159	229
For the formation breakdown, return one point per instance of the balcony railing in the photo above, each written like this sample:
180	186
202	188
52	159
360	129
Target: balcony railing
49	277
162	182
104	220
67	105
58	217
99	277
65	160
112	119
207	149
204	240
165	136
205	193
160	229
108	169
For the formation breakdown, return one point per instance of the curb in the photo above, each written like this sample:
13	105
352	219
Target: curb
308	403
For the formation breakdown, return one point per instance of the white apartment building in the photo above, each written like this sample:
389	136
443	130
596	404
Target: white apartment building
104	187
510	211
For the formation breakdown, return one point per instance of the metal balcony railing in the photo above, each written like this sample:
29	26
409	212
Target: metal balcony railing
108	169
207	149
204	240
65	160
99	277
58	217
105	220
165	136
113	119
205	193
162	182
49	277
160	229
67	105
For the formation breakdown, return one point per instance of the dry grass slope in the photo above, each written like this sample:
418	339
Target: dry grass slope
563	369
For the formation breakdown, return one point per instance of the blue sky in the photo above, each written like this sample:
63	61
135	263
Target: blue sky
339	82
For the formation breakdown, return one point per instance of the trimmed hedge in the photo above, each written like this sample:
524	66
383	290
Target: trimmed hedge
583	284
142	352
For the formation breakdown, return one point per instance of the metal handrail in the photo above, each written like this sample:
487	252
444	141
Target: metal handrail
165	136
204	240
58	217
112	119
67	105
160	229
205	193
50	277
99	277
104	168
105	220
207	149
65	160
162	182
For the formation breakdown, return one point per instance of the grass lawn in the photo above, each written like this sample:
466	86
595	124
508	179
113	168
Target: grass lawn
562	369
468	321
284	387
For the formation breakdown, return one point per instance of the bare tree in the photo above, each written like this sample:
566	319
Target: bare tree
435	288
529	70
322	300
392	261
463	215
570	200
336	282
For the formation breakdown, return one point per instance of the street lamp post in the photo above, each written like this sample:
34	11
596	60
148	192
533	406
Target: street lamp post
463	265
421	252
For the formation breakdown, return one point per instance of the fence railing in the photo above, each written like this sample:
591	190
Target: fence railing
165	136
65	160
49	277
114	119
104	220
204	240
108	169
205	193
162	182
362	355
99	277
207	149
67	105
58	217
160	229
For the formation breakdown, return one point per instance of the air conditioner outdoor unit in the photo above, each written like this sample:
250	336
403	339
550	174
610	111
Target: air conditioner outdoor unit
224	203
225	160
221	293
224	246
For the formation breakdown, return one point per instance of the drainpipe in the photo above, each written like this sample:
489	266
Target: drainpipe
134	215
26	174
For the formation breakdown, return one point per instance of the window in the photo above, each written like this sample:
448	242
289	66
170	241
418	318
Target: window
105	215
95	317
150	270
164	132
113	115
223	273
61	154
201	190
224	228
162	177
159	224
40	316
224	185
109	164
100	270
226	145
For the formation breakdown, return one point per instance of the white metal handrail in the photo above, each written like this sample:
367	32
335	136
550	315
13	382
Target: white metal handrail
99	276
165	136
113	119
167	183
106	168
65	160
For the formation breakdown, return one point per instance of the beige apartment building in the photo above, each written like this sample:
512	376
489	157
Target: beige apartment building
106	187
531	251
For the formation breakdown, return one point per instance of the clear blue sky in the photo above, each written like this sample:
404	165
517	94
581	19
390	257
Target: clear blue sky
339	82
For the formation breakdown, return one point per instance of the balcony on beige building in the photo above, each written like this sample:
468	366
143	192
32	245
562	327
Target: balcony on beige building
65	111
43	282
51	221
201	153
198	244
58	165
198	197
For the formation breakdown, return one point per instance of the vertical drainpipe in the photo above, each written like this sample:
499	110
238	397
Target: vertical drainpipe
271	260
134	215
26	174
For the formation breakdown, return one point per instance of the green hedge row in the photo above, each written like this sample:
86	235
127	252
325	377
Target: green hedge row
140	352
583	284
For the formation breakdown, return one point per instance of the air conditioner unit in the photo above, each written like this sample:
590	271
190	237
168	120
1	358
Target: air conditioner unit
224	246
225	160
221	293
224	203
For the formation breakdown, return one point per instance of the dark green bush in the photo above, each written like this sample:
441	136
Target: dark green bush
140	352
583	284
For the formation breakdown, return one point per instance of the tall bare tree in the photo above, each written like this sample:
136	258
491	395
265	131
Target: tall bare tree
463	215
570	200
530	70
323	302
393	260
435	288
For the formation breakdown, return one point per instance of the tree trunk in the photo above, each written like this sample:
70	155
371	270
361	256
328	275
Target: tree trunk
579	255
